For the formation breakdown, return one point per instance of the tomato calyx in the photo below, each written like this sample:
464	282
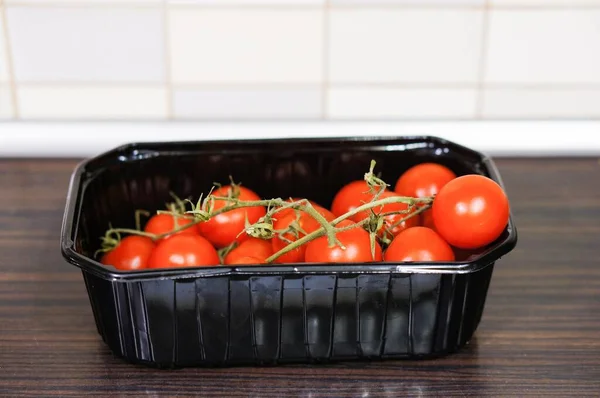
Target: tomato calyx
108	242
262	229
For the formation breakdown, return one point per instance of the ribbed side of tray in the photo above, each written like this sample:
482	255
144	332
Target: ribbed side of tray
282	318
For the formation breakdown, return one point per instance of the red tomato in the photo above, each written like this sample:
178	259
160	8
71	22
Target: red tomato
252	247
357	244
160	224
183	251
422	180
306	222
223	229
419	244
247	260
350	197
470	211
390	220
132	253
427	219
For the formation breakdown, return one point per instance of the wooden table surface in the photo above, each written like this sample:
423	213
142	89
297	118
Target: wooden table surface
539	335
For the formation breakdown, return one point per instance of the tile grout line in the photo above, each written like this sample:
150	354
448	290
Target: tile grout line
325	55
10	63
433	7
167	60
591	86
479	101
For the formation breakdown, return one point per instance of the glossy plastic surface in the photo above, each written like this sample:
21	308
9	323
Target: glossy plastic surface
271	314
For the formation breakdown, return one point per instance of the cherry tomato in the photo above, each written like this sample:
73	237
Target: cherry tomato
419	244
306	222
223	229
132	253
422	180
183	251
160	224
391	219
247	260
427	219
252	247
357	249
470	211
351	196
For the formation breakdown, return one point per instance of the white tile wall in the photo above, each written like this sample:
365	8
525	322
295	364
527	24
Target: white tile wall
79	44
543	3
236	103
439	3
4	76
541	103
79	2
386	103
6	105
410	46
548	47
250	2
93	102
299	59
246	46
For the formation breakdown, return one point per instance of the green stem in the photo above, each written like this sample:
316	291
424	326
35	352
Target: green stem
329	229
321	231
138	221
237	204
154	237
313	235
411	215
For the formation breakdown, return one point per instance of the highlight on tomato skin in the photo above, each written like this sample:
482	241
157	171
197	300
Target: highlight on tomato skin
357	249
258	249
423	180
247	260
162	223
131	253
471	211
351	196
184	251
419	244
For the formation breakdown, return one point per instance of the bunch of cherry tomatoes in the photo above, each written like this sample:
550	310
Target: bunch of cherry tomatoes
452	214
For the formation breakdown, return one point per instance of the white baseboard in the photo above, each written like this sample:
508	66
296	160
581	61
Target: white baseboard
496	138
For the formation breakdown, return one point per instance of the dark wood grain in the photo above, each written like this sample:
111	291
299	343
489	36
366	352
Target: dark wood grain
539	336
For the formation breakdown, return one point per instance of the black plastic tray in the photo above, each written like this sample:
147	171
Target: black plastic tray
271	314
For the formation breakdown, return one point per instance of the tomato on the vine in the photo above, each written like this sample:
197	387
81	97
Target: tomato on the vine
183	251
423	180
389	221
357	247
471	211
130	254
305	224
260	249
419	244
351	196
223	229
284	212
162	223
